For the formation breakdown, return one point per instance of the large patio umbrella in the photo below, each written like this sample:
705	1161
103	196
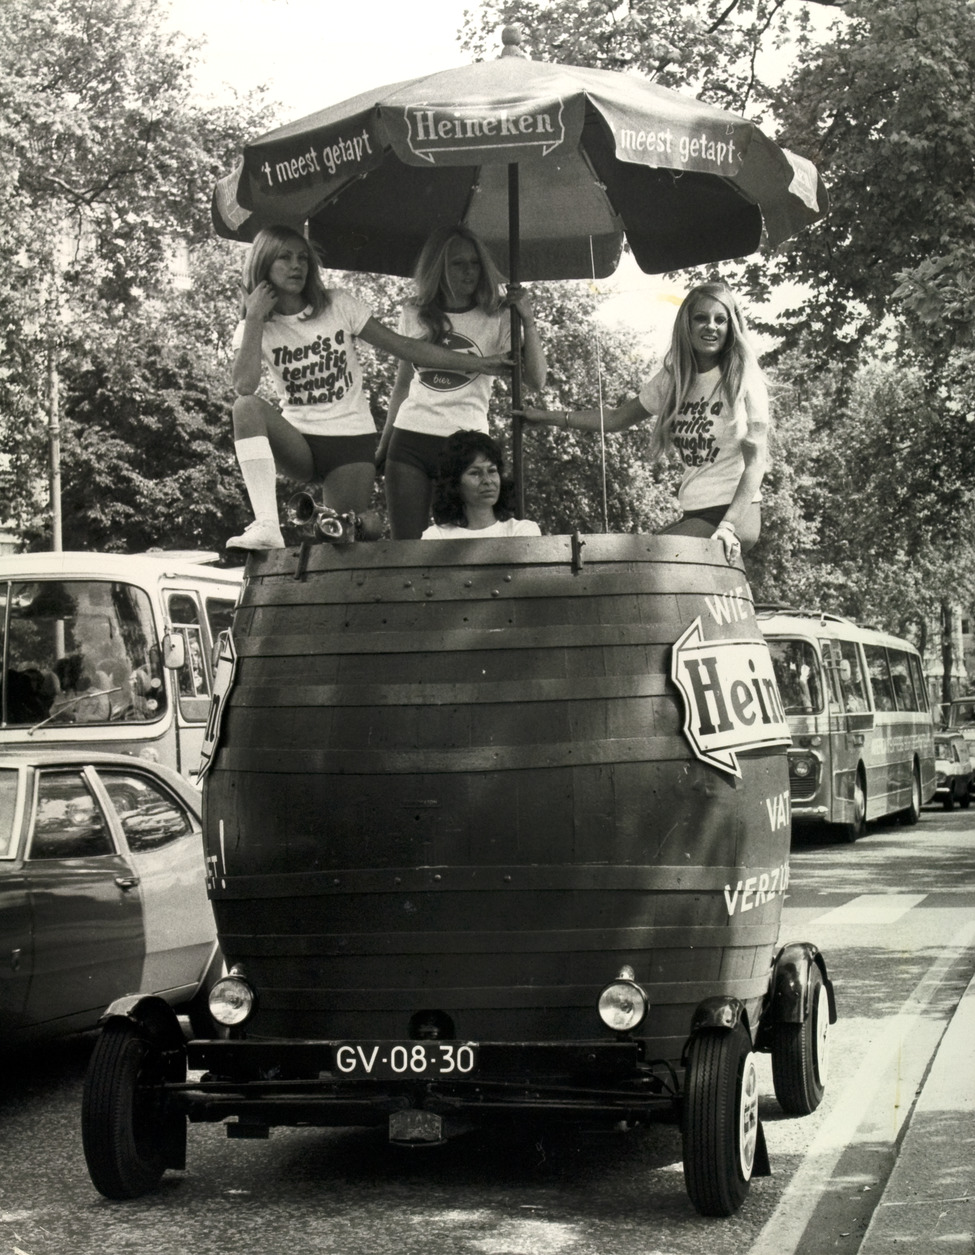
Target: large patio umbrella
551	165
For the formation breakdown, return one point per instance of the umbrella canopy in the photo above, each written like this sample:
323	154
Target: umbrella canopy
580	157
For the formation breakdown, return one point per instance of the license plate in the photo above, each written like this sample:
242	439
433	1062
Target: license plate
405	1060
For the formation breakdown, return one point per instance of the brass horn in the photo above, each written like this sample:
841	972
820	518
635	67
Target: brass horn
320	522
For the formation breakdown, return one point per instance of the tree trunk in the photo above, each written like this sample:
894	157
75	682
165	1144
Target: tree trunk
947	651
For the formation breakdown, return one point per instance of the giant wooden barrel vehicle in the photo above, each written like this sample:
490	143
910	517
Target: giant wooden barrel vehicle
495	830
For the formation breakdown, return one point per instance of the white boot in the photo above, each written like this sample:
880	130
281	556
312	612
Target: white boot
257	467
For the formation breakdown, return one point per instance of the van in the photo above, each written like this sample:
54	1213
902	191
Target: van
111	651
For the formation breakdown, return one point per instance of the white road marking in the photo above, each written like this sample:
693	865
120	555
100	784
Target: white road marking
787	1224
872	908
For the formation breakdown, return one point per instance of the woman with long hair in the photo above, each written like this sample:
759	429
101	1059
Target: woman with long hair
458	303
710	401
321	428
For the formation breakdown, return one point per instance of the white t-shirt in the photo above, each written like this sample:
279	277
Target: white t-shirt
705	435
441	402
507	527
315	369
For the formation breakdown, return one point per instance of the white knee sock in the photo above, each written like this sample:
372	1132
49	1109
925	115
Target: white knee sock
257	467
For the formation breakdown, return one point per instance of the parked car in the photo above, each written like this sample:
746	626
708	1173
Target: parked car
952	770
102	891
959	716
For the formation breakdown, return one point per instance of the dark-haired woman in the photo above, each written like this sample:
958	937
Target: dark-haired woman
471	498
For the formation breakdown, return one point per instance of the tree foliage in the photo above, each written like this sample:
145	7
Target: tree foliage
106	162
867	505
107	167
884	110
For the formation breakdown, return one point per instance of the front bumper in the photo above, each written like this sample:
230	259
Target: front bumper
264	1083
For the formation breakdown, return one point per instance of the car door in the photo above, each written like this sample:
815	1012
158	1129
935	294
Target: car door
15	925
165	848
85	902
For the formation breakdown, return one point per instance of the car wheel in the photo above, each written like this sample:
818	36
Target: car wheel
948	801
855	828
912	813
800	1053
720	1120
965	800
127	1124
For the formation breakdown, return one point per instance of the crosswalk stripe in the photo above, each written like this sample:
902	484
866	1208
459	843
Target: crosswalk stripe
872	908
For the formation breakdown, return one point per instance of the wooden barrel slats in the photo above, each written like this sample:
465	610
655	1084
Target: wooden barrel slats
454	777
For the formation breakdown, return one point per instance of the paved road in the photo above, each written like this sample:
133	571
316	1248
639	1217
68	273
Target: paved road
895	916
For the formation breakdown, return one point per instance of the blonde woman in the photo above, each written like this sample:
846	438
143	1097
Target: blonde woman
322	428
458	302
710	402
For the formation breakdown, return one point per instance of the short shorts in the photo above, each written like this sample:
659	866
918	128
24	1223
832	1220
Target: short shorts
417	449
330	452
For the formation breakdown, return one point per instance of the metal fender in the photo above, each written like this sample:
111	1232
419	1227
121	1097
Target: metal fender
718	1012
789	1000
153	1015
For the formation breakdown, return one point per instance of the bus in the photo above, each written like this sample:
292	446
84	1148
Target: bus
110	651
861	722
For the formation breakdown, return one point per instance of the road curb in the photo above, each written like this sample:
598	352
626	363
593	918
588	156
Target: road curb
928	1204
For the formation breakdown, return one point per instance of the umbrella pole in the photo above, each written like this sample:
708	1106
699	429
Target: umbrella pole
514	268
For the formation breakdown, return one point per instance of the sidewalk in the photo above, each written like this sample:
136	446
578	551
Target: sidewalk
928	1205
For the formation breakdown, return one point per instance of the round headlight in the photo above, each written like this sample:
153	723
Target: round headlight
802	767
623	1005
231	1001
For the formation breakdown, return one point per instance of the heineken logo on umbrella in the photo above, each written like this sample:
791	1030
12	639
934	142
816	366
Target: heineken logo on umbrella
433	131
731	699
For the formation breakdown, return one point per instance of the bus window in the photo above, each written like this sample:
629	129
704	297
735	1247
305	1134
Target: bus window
919	685
220	615
900	673
193	683
880	681
852	688
798	675
80	651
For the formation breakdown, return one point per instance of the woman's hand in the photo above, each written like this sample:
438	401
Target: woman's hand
261	303
726	533
519	298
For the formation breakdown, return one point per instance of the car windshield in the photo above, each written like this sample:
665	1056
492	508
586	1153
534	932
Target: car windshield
798	675
962	714
79	651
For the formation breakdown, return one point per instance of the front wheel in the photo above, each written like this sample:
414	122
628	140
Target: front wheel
948	801
965	800
719	1129
800	1053
127	1126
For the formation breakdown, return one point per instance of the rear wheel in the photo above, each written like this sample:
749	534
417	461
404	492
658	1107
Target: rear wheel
127	1127
800	1053
720	1120
912	813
